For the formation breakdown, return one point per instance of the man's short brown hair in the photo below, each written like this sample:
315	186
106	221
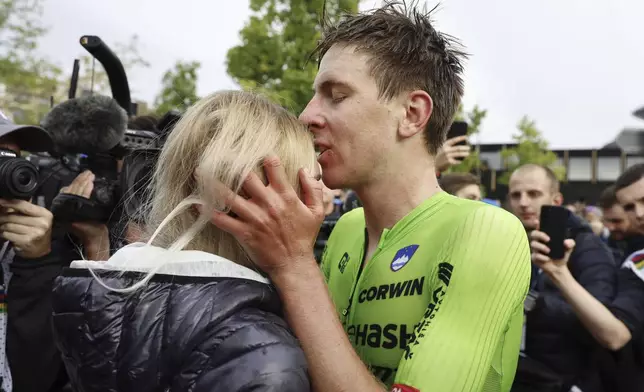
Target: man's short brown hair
608	198
550	175
406	54
454	182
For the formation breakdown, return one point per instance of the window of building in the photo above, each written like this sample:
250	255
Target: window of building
633	160
608	168
579	169
493	159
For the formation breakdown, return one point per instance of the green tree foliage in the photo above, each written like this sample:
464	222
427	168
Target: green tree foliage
474	119
530	147
273	57
179	88
27	80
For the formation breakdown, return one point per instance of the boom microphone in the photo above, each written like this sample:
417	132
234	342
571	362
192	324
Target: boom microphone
113	68
86	125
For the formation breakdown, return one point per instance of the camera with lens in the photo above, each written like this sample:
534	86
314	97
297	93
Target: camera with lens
138	151
104	196
18	177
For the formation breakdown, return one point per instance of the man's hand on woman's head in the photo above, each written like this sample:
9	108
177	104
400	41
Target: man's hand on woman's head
275	227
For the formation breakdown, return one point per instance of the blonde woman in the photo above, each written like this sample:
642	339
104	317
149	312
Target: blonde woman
187	311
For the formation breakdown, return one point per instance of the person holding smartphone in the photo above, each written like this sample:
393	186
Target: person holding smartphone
554	337
455	149
619	326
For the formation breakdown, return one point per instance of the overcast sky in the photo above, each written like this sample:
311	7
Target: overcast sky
575	66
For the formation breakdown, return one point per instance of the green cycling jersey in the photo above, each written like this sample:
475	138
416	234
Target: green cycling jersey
439	306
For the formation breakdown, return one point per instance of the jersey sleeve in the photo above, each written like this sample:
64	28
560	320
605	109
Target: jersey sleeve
478	291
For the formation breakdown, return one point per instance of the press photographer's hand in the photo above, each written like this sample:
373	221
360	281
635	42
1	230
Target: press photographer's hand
275	227
94	236
540	252
27	226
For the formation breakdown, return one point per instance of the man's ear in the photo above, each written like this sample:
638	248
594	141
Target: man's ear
418	110
558	199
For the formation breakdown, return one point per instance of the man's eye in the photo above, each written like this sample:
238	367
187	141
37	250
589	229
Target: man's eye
338	98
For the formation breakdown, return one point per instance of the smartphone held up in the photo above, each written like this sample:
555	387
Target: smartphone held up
553	222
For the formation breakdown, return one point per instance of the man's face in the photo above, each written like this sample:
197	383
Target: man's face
616	221
354	129
529	191
472	192
632	200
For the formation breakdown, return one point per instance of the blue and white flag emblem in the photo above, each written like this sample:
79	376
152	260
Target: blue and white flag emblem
402	257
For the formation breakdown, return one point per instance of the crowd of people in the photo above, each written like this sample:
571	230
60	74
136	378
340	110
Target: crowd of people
418	285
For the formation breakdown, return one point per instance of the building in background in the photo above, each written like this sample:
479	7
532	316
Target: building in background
588	171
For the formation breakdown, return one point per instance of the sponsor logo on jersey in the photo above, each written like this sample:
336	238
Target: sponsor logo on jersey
343	262
402	257
635	262
393	290
388	336
445	275
403	388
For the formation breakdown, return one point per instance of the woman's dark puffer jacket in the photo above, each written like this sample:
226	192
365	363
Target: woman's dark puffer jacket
203	323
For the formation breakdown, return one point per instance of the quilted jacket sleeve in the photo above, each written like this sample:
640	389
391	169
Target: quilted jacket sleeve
252	351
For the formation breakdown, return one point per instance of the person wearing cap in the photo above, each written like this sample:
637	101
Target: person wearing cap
29	261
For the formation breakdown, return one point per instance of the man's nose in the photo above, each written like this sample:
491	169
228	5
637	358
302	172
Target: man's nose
639	210
311	115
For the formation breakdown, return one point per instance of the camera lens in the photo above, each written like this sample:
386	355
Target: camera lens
18	179
23	178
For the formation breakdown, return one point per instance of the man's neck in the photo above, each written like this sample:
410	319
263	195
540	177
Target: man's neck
391	198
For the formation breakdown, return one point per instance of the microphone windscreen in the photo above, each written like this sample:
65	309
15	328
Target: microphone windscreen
91	124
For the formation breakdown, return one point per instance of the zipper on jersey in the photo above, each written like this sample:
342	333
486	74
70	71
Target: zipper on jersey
347	310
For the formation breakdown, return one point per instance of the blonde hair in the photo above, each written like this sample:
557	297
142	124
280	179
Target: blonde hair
217	143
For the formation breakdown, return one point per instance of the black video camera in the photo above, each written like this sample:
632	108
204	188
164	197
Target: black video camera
18	176
139	150
104	197
138	167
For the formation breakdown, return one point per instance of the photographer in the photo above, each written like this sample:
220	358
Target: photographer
30	261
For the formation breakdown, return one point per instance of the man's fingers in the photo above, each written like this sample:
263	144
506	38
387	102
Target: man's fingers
540	259
87	186
16	228
16	239
312	192
569	244
29	221
254	187
459	154
455	140
540	247
231	225
25	208
540	236
276	174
